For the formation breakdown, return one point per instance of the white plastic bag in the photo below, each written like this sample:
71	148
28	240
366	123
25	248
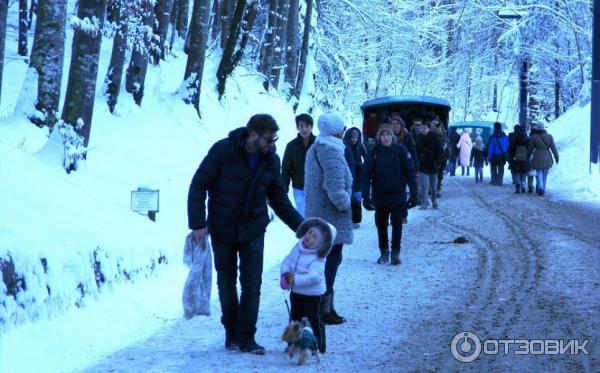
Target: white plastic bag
196	291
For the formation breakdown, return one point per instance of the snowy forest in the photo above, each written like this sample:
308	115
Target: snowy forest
468	52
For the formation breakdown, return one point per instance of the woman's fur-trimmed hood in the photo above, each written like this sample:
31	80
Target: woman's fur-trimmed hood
327	230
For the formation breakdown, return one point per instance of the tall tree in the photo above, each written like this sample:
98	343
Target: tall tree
47	58
291	50
3	18
226	10
119	10
192	79
268	46
182	17
162	10
23	27
135	76
216	20
83	71
247	25
304	49
226	65
281	34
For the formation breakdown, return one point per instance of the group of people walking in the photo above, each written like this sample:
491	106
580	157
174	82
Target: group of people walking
331	175
527	155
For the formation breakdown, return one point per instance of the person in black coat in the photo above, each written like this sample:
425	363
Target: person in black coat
292	165
239	174
518	148
387	170
430	153
357	149
453	138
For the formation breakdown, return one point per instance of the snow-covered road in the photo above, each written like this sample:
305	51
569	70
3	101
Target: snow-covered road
529	271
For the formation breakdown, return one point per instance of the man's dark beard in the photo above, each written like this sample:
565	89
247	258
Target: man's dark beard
261	149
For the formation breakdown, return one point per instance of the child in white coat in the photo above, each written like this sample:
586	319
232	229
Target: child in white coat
303	272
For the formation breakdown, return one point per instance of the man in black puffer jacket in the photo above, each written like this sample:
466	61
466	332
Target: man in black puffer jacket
387	170
239	174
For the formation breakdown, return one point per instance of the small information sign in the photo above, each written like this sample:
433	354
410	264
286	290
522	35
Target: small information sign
144	200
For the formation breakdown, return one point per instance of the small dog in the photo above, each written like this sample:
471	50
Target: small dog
300	339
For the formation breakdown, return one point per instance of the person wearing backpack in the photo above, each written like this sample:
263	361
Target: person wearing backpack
542	148
497	148
519	151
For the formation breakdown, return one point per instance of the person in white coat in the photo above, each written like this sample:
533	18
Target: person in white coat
303	272
465	145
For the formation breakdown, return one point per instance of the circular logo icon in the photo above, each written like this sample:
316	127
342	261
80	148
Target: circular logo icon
466	347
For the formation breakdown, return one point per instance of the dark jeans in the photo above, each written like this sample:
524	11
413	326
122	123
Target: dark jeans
333	261
308	306
478	174
239	315
497	171
382	216
452	165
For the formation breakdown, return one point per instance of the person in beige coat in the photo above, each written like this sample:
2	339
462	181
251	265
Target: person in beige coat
542	149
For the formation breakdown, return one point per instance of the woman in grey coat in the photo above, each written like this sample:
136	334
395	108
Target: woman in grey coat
542	148
328	188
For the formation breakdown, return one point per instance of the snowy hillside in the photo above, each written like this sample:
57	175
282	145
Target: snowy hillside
57	228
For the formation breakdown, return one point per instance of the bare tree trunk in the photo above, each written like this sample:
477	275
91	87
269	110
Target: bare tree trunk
556	95
3	20
47	59
468	94
268	47
227	65
182	17
291	52
173	23
32	9
304	49
22	49
247	25
162	14
226	14
120	11
283	9
216	20
138	64
83	71
192	80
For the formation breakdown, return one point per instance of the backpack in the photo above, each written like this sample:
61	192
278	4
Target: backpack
520	153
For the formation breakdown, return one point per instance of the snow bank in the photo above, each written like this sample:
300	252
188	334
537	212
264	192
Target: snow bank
572	178
65	239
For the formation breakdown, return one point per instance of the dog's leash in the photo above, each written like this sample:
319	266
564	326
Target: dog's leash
287	305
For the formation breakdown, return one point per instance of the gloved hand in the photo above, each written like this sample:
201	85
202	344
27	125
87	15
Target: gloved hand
286	281
368	204
355	202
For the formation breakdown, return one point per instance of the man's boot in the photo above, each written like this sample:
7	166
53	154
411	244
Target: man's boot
395	257
517	189
231	340
333	311
325	310
385	256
